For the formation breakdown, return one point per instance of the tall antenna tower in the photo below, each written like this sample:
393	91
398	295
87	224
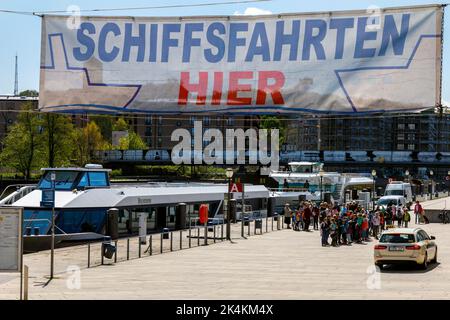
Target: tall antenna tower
16	80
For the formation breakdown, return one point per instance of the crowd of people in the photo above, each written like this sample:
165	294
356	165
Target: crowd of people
352	223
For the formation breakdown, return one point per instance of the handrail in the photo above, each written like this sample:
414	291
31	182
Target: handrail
25	220
14	185
288	189
21	192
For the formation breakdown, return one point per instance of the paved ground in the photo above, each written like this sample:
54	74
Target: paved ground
278	265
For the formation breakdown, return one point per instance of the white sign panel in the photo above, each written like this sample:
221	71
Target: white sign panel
10	239
331	62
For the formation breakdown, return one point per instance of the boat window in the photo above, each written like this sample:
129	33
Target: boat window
97	179
63	180
83	181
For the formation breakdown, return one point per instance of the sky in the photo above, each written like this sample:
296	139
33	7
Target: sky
21	34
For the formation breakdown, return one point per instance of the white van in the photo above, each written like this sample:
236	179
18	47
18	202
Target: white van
399	188
383	202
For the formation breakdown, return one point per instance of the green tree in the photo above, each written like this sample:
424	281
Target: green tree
120	125
132	142
274	122
29	93
58	132
88	140
23	145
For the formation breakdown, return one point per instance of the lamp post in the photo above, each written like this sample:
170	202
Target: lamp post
52	254
321	174
374	174
431	177
229	173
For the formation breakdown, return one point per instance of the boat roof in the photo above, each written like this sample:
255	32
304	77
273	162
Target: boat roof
141	195
76	169
303	163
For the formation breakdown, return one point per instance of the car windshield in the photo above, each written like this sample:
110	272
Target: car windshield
384	202
397	238
394	192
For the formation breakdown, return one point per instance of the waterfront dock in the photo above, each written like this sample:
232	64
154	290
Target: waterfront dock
276	265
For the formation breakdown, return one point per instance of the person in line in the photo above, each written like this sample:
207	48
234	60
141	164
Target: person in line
324	232
418	212
287	215
365	228
406	217
333	233
315	213
399	216
306	216
376	224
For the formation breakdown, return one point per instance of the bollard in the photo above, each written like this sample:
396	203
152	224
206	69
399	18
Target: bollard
181	239
139	240
242	226
161	237
171	241
89	255
198	236
249	222
221	230
190	237
214	228
267	221
272	223
101	252
128	248
206	234
115	253
151	245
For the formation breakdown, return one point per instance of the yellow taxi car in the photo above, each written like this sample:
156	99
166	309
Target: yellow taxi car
405	245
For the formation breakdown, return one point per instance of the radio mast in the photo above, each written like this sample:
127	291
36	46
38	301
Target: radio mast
16	80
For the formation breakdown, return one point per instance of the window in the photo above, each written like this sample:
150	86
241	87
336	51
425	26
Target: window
401	126
397	238
84	182
148	120
423	235
63	180
412	126
97	179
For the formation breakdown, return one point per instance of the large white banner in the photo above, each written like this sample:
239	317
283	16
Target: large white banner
334	62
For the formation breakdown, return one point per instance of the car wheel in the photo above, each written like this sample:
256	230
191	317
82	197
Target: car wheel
379	265
424	265
435	257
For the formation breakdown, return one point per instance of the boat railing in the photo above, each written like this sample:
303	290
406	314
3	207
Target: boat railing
21	191
43	220
288	189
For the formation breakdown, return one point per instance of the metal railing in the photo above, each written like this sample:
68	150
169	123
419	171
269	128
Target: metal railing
176	240
46	220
